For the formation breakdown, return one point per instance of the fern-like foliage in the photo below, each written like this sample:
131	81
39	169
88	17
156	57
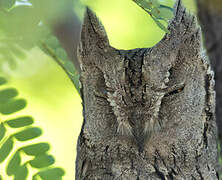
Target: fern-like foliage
22	27
157	11
52	47
40	158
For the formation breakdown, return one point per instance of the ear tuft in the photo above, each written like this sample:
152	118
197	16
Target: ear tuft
93	26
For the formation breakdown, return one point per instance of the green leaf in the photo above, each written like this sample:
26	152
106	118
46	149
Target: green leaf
61	53
7	94
155	12
155	3
52	42
14	164
2	131
36	149
42	161
19	52
75	79
145	4
21	173
6	149
7	4
10	60
2	81
27	134
166	13
69	66
20	122
161	26
12	106
24	19
53	173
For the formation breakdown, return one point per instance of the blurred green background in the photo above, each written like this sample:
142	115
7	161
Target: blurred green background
52	99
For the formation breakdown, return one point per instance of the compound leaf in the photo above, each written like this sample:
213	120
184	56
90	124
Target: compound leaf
53	173
145	4
7	94
2	131
42	161
21	173
7	4
61	53
2	81
27	134
12	106
17	51
14	164
166	13
6	149
69	66
20	122
36	149
161	26
52	42
156	13
155	3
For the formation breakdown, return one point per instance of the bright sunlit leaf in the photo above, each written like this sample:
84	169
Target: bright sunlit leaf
127	25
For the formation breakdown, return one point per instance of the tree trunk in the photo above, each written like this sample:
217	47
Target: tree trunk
148	113
210	16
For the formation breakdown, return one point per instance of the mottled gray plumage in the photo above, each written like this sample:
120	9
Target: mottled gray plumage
148	113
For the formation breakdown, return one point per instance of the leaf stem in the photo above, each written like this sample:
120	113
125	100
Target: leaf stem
143	8
58	61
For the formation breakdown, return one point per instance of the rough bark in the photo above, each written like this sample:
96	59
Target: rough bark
210	17
148	113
